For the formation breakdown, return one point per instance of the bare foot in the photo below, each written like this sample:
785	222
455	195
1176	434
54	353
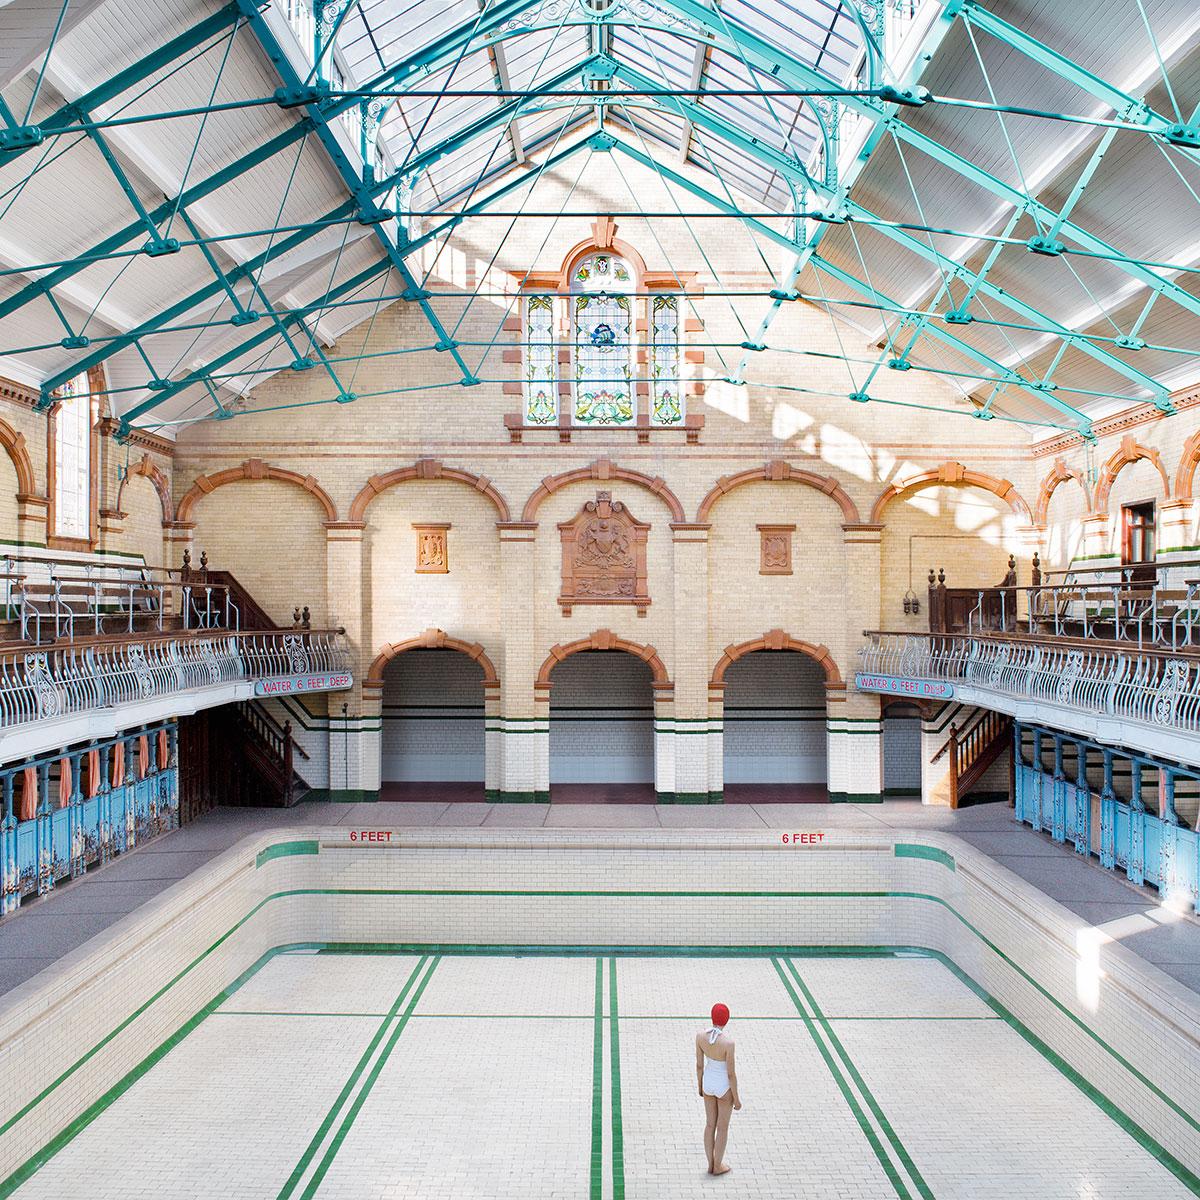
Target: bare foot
723	1169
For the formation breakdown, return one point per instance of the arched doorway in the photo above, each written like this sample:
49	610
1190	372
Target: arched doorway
774	727
602	728
432	739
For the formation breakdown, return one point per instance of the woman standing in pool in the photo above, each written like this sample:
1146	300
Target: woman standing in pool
717	1080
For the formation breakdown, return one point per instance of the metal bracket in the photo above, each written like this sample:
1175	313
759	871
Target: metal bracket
21	137
1183	135
1045	246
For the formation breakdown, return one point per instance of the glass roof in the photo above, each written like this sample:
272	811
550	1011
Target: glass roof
461	126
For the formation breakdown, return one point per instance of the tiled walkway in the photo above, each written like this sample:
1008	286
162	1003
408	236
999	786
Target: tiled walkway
369	1077
42	931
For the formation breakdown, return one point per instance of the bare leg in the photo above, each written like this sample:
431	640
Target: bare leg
724	1111
710	1128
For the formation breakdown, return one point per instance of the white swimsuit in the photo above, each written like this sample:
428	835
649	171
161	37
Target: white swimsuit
716	1070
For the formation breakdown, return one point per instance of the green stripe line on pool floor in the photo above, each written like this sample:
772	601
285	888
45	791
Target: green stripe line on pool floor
618	1132
867	1094
318	1138
596	1159
368	1083
847	1094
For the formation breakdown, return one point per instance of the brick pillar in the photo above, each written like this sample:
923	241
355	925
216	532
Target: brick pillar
1095	542
354	736
935	776
685	740
520	744
32	515
855	745
1176	526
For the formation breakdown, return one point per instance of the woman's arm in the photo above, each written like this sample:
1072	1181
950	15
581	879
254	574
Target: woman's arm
699	1067
737	1103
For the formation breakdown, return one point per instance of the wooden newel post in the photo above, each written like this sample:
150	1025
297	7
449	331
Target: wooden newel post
1037	570
287	764
953	752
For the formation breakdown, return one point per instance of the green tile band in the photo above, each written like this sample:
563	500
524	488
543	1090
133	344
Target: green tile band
909	850
596	1159
618	1133
285	850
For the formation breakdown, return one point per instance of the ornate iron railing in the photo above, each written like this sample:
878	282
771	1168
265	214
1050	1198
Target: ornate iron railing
58	681
1154	687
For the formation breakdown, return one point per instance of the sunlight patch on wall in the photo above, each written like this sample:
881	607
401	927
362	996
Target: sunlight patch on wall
729	398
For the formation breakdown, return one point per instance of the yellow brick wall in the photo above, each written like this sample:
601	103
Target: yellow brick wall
141	531
271	535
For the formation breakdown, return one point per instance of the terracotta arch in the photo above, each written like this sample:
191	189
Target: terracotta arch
162	486
1129	451
253	468
1186	473
605	639
425	468
432	639
956	475
777	639
779	471
602	469
1059	473
14	446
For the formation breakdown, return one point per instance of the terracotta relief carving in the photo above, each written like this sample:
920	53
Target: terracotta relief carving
433	552
775	549
604	556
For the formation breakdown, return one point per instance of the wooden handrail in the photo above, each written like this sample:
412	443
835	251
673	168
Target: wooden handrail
1125	646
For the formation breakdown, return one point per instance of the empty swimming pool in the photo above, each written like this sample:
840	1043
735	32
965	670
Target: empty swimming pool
379	1031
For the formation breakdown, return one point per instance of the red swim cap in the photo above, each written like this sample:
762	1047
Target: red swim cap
720	1014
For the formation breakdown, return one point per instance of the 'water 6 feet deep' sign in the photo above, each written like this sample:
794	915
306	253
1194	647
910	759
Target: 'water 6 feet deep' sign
898	685
288	685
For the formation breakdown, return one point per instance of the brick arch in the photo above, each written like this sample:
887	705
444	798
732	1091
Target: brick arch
425	468
602	469
605	639
432	639
956	475
1186	473
14	446
1059	473
158	479
253	468
1129	451
779	471
777	639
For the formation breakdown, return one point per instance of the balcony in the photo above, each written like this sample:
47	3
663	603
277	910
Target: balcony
57	695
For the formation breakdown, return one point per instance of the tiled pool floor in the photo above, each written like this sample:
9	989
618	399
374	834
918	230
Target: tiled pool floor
371	1076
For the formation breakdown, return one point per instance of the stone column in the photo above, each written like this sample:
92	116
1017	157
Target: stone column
519	745
689	741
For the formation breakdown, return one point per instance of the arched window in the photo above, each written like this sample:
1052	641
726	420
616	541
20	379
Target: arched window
72	460
602	324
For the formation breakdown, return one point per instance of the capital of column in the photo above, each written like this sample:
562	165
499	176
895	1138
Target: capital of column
690	531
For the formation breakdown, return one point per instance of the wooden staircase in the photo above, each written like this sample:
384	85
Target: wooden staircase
241	756
972	750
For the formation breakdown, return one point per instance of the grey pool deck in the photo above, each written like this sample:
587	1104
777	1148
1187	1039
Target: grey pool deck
42	931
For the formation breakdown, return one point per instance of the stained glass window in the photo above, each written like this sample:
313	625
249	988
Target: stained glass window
73	461
541	354
666	394
603	328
